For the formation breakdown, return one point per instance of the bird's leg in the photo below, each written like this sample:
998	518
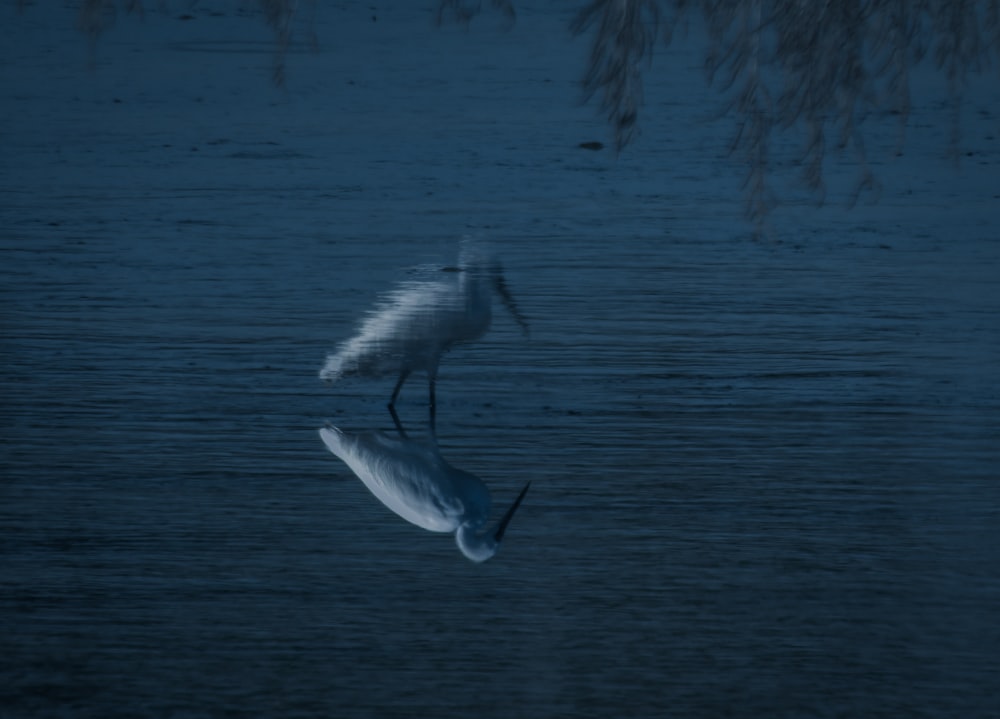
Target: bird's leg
399	385
395	420
433	405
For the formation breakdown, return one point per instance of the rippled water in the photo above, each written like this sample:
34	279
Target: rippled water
764	475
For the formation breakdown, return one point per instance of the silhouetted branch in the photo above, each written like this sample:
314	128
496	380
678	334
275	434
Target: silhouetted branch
95	16
626	32
280	15
821	67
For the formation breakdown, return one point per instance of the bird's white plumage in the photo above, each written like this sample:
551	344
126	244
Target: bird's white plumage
413	480
409	331
413	326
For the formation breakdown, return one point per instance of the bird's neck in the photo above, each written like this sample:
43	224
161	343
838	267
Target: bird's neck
475	284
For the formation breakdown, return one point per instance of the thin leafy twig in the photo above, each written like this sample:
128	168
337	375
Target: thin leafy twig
625	35
820	67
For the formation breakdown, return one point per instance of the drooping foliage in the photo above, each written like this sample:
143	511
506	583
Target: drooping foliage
818	67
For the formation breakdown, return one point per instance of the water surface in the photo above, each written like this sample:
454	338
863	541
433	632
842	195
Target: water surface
763	473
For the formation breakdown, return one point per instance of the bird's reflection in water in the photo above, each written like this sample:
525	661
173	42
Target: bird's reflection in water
421	320
411	478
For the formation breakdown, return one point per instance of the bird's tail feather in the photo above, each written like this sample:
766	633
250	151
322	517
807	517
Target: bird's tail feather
333	369
332	438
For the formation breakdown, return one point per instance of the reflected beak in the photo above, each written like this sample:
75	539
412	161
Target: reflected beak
502	525
500	285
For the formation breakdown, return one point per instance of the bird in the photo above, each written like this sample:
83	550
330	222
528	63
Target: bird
411	478
418	322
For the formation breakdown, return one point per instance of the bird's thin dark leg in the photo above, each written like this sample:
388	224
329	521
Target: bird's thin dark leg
395	420
399	385
433	405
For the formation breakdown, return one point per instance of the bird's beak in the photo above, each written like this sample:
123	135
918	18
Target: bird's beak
500	285
502	525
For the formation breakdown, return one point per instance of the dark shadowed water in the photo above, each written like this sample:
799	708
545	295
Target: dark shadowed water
764	474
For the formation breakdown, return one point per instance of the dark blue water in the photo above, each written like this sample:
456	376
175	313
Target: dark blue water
764	474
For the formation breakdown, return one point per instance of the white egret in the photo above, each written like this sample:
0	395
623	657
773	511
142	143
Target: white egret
421	320
413	480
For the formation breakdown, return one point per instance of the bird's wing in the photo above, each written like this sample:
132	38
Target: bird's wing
407	476
399	331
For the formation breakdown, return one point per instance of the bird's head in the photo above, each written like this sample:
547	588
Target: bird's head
480	547
478	266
